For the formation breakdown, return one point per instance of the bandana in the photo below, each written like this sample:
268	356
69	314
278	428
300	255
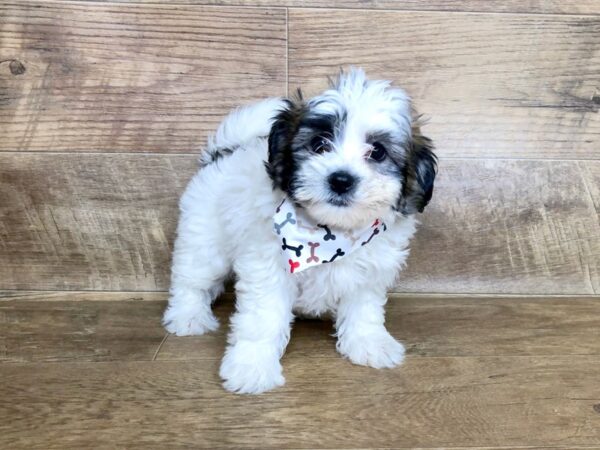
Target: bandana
305	244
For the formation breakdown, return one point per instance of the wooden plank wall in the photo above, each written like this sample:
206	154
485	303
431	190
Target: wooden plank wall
104	106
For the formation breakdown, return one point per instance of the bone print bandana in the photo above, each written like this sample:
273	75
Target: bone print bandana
305	244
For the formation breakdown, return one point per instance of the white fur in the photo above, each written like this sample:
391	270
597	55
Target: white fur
226	225
372	105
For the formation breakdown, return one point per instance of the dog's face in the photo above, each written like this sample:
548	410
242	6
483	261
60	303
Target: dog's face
352	153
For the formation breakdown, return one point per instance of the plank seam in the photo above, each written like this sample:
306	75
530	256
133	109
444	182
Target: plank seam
317	8
160	346
151	154
165	5
334	357
287	52
7	294
441	11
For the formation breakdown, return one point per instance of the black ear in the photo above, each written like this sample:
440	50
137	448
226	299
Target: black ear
419	175
281	165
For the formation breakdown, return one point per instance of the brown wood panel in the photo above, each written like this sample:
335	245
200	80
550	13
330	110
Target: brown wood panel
51	331
329	403
505	6
439	327
106	222
80	296
591	175
507	226
103	222
127	78
492	85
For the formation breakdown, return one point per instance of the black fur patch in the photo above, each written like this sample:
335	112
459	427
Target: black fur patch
282	165
216	155
419	175
290	138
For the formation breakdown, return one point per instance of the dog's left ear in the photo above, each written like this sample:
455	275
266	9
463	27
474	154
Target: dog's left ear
419	174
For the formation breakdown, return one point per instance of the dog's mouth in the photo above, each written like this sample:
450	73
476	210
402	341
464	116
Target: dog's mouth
342	202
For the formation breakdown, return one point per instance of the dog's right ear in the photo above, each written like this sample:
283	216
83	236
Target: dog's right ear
281	164
420	172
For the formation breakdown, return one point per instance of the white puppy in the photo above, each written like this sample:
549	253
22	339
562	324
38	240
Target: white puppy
346	169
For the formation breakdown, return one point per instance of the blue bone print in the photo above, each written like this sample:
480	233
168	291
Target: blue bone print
329	236
288	219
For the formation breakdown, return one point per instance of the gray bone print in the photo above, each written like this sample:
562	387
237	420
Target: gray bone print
288	219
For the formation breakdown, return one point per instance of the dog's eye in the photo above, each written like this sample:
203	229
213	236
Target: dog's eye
319	145
378	152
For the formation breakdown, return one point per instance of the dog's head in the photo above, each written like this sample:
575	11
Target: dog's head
352	153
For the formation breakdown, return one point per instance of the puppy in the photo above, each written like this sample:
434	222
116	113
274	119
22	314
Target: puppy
310	203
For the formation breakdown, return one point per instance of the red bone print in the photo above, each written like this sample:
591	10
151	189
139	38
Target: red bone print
293	265
313	257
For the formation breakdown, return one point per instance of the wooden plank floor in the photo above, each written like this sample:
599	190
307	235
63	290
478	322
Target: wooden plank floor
94	370
104	106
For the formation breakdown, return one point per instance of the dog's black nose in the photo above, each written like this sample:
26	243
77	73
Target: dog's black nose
341	181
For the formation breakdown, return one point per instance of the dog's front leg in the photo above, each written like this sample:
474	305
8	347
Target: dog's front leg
260	329
362	336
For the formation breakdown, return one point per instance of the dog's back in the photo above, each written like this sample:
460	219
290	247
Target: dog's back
240	127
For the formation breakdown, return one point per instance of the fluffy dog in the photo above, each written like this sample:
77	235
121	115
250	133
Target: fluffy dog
350	163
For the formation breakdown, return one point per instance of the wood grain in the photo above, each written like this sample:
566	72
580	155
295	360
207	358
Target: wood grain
55	331
106	222
591	176
522	86
129	78
501	226
438	327
503	6
103	222
429	402
81	296
117	326
480	372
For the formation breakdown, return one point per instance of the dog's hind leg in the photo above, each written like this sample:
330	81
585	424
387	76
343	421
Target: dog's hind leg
197	277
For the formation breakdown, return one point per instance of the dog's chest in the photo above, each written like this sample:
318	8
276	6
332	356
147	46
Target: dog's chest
318	291
320	288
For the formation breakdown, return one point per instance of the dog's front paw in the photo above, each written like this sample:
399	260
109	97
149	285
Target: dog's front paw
251	368
379	350
189	320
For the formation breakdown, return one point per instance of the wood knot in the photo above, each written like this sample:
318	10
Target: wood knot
596	407
16	67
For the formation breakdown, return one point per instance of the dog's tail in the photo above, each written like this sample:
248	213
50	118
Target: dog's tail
240	127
